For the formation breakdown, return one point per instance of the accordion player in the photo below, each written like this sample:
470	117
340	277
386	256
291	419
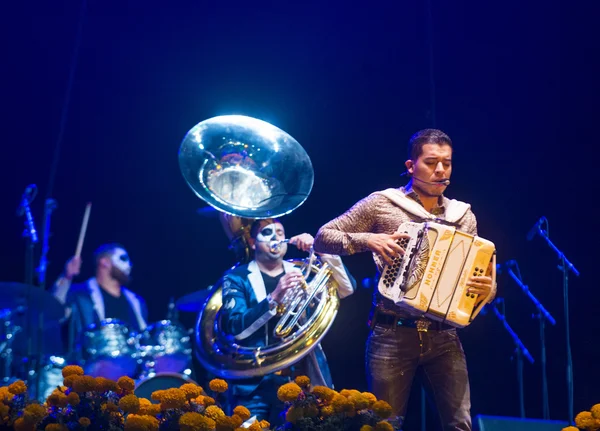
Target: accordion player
430	279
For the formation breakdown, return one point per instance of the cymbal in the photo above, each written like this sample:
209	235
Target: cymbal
32	301
194	301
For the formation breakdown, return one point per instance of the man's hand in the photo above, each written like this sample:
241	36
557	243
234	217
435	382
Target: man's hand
304	241
73	267
385	245
288	281
480	285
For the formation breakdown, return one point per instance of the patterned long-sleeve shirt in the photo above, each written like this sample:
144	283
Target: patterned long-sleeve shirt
349	233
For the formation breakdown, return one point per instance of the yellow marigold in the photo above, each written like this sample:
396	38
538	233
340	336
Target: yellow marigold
126	383
324	393
157	395
570	429
193	421
73	399
85	422
384	426
17	388
366	428
349	392
327	411
72	370
585	420
255	426
218	385
595	411
302	381
84	384
360	401
293	414
289	392
105	385
264	424
129	404
151	410
225	423
144	402
173	398
213	412
191	390
238	420
242	412
34	413
56	427
341	404
21	425
372	398
141	423
382	409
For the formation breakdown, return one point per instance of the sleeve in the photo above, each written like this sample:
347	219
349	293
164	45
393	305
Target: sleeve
346	282
60	289
349	233
237	317
469	223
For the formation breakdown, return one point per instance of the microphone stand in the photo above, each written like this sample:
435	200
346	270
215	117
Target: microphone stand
565	266
49	206
520	351
542	315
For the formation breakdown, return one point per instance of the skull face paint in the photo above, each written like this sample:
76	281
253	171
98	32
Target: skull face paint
268	240
120	259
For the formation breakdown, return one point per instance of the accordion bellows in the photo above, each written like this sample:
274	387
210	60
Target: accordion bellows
430	279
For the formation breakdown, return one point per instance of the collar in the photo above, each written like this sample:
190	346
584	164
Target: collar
411	193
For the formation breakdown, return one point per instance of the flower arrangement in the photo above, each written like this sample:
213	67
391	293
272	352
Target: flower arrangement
86	403
587	420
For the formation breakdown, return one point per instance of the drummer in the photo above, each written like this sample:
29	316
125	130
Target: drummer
101	297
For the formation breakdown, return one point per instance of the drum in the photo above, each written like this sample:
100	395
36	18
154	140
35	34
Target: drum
145	387
110	350
168	346
50	377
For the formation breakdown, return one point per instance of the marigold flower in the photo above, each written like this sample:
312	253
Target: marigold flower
384	426
264	424
157	395
4	409
289	392
173	398
57	399
110	407
214	412
56	427
595	411
21	425
105	385
84	384
129	404
366	428
570	429
70	380
372	398
242	412
238	420
208	401
293	414
382	409
72	370
17	388
193	421
218	385
341	404
191	390
585	420
84	422
5	394
225	423
34	413
255	426
324	393
302	381
361	402
126	383
73	399
327	411
141	423
150	410
349	392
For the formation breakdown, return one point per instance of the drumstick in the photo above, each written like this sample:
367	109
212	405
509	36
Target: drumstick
84	224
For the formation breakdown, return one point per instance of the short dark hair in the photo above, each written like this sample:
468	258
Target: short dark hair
254	228
426	136
106	250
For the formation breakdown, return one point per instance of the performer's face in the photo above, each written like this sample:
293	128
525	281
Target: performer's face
434	164
120	266
269	234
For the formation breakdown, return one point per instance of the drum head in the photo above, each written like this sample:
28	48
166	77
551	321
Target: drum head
160	381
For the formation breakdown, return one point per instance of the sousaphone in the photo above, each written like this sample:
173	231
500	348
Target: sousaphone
248	169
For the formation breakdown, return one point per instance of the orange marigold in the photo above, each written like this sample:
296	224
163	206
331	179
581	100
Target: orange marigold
150	410
372	398
157	395
384	426
366	428
585	420
17	388
242	412
57	399
349	392
21	425
218	385
360	401
191	390
129	404
238	420
110	407
70	380
341	404
302	381
264	424
570	429
208	401
105	385
85	422
141	423
255	426
214	412
225	423
193	421
126	383
327	411
72	370
595	411
73	399
84	384
173	398
293	414
289	392
34	413
5	394
324	393
4	409
382	409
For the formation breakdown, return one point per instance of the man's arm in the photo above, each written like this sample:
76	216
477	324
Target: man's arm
346	282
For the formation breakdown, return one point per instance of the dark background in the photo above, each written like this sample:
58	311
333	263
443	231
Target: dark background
510	82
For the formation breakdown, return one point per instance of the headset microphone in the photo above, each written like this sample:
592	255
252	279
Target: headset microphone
443	182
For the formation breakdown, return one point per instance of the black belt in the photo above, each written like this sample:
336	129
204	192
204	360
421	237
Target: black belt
391	320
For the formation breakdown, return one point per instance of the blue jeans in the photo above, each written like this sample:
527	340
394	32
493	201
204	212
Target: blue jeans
395	353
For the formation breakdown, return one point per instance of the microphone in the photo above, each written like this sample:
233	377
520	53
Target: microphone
535	229
442	182
504	266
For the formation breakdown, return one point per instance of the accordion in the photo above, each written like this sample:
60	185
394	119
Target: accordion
430	279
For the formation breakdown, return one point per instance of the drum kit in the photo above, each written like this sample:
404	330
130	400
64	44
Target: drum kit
158	357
